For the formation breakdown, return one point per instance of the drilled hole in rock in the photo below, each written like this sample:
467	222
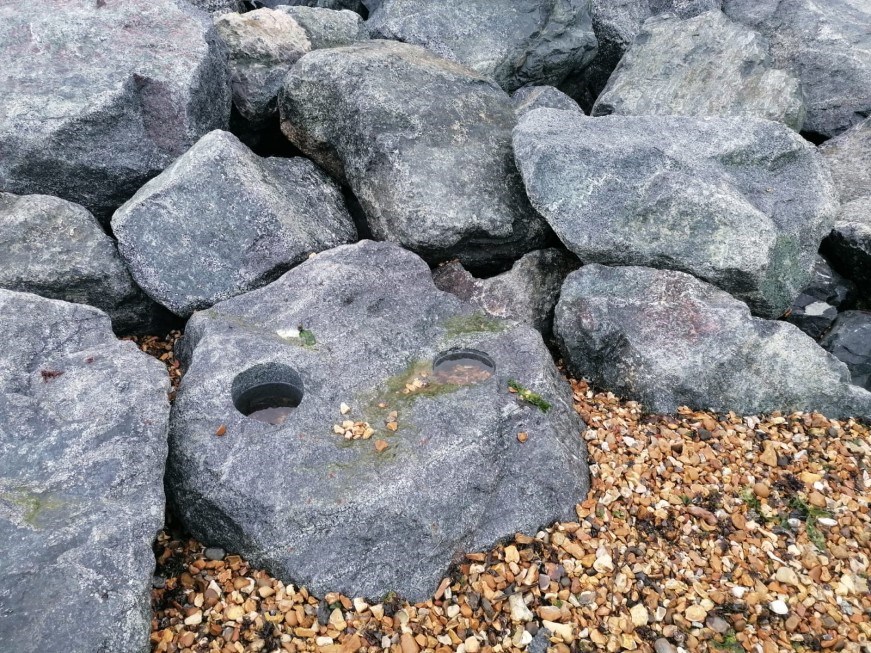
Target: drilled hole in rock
268	392
462	367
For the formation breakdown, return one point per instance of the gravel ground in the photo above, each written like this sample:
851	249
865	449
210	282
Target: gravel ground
702	532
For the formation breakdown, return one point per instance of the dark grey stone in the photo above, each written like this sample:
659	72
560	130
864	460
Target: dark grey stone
217	7
337	5
424	144
849	157
328	28
527	292
360	324
83	441
221	221
540	643
850	341
742	203
100	97
816	308
541	97
827	45
668	340
848	246
707	65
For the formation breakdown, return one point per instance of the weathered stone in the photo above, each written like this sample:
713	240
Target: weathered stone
336	5
527	292
83	428
667	340
425	145
701	66
850	341
816	308
57	249
99	98
827	45
218	7
742	203
541	97
221	221
515	42
328	28
849	158
848	246
263	45
361	325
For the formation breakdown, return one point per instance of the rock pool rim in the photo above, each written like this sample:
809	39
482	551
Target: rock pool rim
455	355
267	392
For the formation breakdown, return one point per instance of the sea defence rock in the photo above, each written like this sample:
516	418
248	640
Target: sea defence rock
100	97
742	203
848	247
328	28
83	441
707	65
667	340
850	341
542	97
388	464
849	157
424	144
816	308
515	42
221	221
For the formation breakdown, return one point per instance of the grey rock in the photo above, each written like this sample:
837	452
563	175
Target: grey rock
527	292
328	28
333	514
816	308
214	553
424	144
263	45
668	340
515	42
662	645
99	98
540	643
83	440
850	341
218	7
848	246
336	5
849	157
742	203
542	97
221	221
827	45
707	65
57	249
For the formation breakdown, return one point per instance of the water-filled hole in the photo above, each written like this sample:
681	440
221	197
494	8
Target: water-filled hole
268	392
462	367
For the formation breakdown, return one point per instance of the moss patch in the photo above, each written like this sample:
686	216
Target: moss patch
474	323
32	504
529	396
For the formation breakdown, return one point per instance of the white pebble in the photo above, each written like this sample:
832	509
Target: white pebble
779	607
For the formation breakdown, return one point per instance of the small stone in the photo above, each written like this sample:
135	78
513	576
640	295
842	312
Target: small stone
787	576
519	611
472	645
408	645
769	456
380	445
522	437
195	619
337	621
778	607
696	613
718	624
817	499
639	615
563	631
215	553
344	408
761	490
662	645
221	430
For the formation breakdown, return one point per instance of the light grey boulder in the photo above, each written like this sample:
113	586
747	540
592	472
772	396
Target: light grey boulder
528	292
666	339
827	45
742	203
707	65
850	342
57	249
515	42
221	221
542	97
361	325
100	97
423	143
848	246
816	308
83	442
849	158
328	28
218	7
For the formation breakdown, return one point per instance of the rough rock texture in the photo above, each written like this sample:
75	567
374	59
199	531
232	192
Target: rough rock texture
527	292
263	45
334	514
848	247
707	65
849	158
850	342
337	5
424	143
57	249
667	339
541	97
218	7
99	98
221	221
827	45
328	28
83	428
742	203
515	42
816	308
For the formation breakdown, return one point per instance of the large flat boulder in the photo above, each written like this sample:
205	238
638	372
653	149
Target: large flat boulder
849	245
419	463
221	221
515	42
742	203
424	144
668	340
827	45
849	157
83	441
706	65
98	97
328	28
